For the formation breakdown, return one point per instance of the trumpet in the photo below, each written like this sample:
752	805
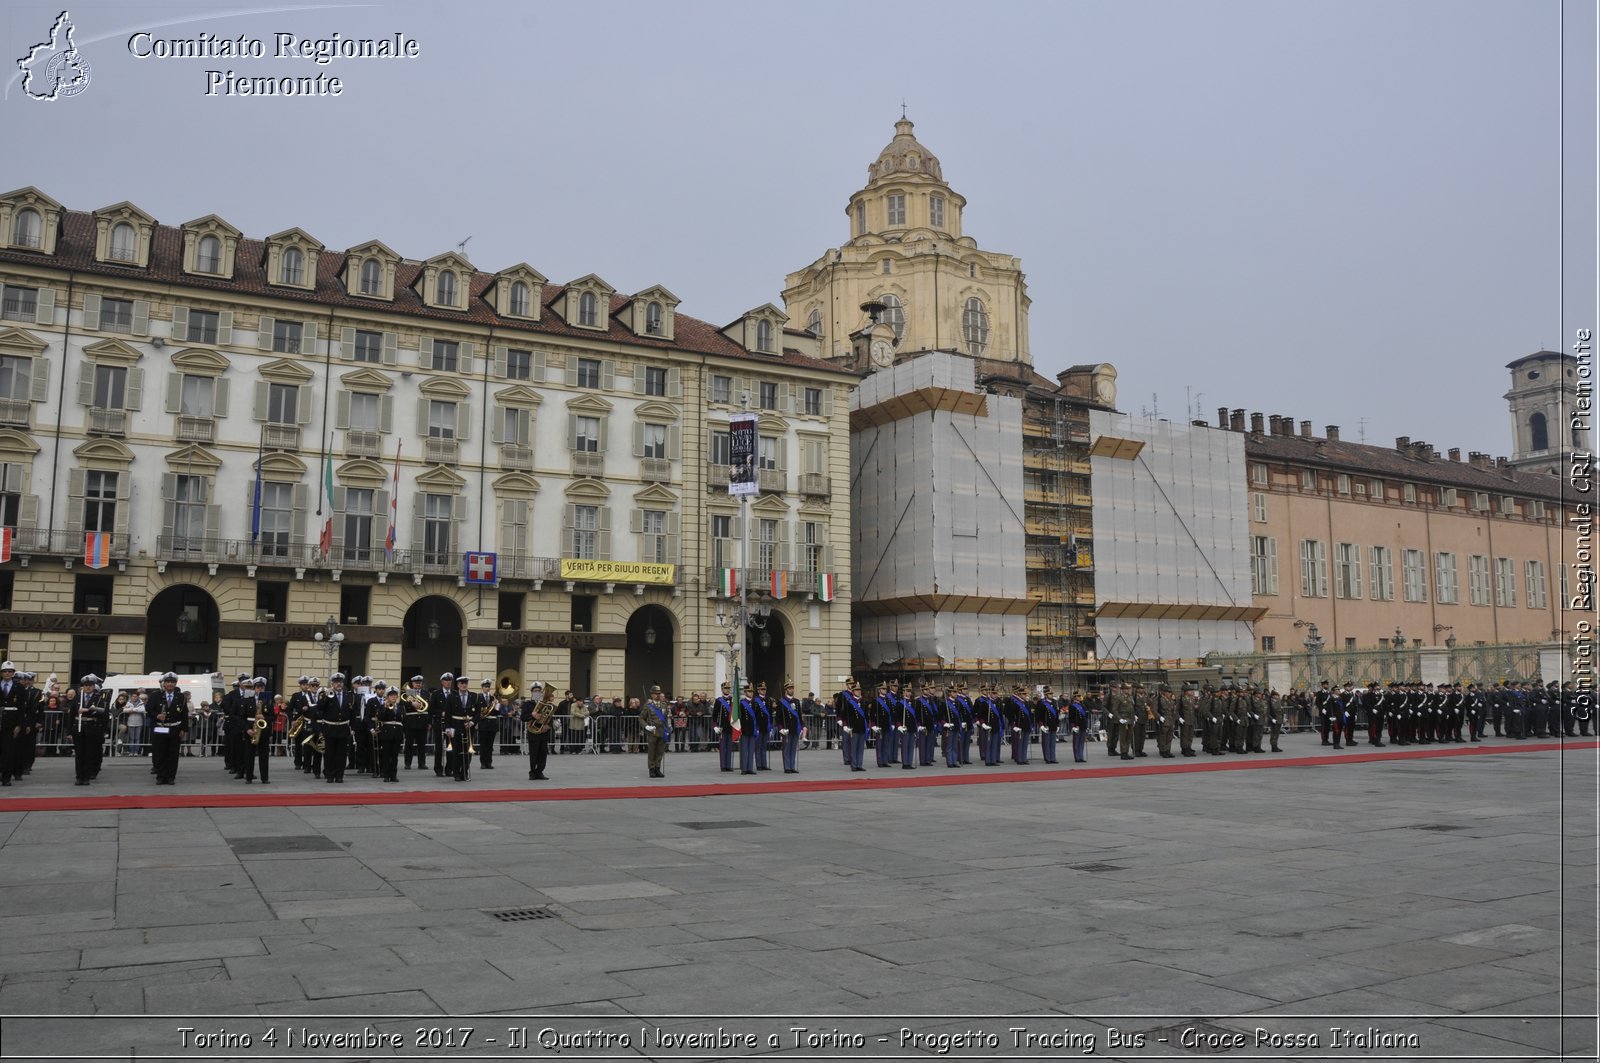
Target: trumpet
257	731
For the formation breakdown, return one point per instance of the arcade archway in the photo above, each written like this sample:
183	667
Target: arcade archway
651	653
431	642
181	633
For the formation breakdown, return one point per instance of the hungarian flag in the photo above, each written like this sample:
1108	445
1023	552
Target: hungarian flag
825	586
728	582
780	583
6	536
97	549
327	485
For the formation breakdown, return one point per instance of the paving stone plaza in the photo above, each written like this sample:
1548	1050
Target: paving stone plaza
1435	906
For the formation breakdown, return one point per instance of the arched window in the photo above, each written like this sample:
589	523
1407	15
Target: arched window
894	315
975	326
25	232
371	277
293	267
208	255
519	299
447	288
814	323
652	319
122	242
1539	431
764	336
588	309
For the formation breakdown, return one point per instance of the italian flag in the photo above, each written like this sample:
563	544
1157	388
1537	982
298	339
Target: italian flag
825	586
6	535
728	582
327	525
734	724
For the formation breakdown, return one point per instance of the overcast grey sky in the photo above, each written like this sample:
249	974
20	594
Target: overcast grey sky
1338	211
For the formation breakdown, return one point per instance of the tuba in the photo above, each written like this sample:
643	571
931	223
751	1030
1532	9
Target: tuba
509	683
539	721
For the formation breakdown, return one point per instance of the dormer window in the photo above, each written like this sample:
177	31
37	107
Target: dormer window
896	203
124	243
371	277
519	300
588	310
208	255
292	267
28	229
764	337
447	288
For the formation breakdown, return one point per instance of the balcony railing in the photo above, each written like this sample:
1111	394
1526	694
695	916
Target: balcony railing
16	412
363	444
657	470
437	451
717	475
588	463
801	581
524	566
281	437
61	541
815	483
516	457
771	479
108	422
196	430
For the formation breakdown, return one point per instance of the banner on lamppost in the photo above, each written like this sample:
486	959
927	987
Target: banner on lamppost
742	442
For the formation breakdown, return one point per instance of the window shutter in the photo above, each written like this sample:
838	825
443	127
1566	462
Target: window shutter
568	520
785	536
537	372
604	433
789	403
1272	566
86	384
422	417
123	484
45	311
261	400
783	455
141	318
572	371
463	419
638	439
827	402
736	527
742	389
424	352
455	539
603	536
91	311
347	343
464	357
340	496
419	526
75	490
341	410
636	522
308	338
180	324
639	374
606	369
174	392
386	414
219	400
674	383
133	393
525	429
302	505
497	424
572	431
380	520
169	505
39	380
501	358
225	328
213	522
264	333
391	354
28	512
674	442
672	537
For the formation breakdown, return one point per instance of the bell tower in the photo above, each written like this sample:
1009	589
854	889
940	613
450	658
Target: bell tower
1547	426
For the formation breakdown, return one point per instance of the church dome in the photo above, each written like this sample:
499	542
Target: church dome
904	155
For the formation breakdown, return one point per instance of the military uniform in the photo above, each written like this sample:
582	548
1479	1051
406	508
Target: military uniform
169	713
87	722
1210	722
1188	711
13	715
1047	718
655	719
853	723
1166	709
1274	719
722	728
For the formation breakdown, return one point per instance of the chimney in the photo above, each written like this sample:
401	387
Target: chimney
1305	429
1501	463
1255	423
1478	459
1333	433
1236	420
1277	424
1402	443
1222	417
1421	451
1455	453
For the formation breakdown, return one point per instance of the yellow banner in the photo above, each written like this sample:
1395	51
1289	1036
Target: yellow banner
616	571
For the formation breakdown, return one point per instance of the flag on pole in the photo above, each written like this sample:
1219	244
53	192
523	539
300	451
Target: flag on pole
97	549
6	536
394	507
327	525
780	583
825	586
734	723
728	582
255	498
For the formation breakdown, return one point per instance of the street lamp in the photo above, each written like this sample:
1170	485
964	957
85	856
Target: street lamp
1399	651
1313	644
331	639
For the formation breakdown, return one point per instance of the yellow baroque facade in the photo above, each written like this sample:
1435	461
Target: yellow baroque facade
206	437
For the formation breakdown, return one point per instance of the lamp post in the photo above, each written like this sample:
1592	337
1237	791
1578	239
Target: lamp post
1399	653
1313	644
330	638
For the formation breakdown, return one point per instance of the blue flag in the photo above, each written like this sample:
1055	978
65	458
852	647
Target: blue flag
255	504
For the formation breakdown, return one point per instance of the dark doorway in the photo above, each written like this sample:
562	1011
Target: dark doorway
580	673
432	639
651	653
767	654
181	632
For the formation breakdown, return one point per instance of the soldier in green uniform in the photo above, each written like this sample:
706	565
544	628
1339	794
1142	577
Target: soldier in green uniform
1116	705
1239	713
1188	713
1274	717
1143	713
1166	707
1210	723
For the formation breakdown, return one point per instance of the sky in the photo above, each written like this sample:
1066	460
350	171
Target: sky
1349	212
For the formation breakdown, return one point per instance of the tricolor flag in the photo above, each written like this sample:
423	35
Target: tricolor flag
327	485
780	583
6	536
394	507
728	582
97	549
255	499
825	586
734	724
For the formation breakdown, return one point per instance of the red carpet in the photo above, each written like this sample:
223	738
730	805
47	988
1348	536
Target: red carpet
876	779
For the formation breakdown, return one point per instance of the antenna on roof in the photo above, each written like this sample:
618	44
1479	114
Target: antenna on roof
462	246
1361	428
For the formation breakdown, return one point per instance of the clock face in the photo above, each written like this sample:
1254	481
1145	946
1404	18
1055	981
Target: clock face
882	354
